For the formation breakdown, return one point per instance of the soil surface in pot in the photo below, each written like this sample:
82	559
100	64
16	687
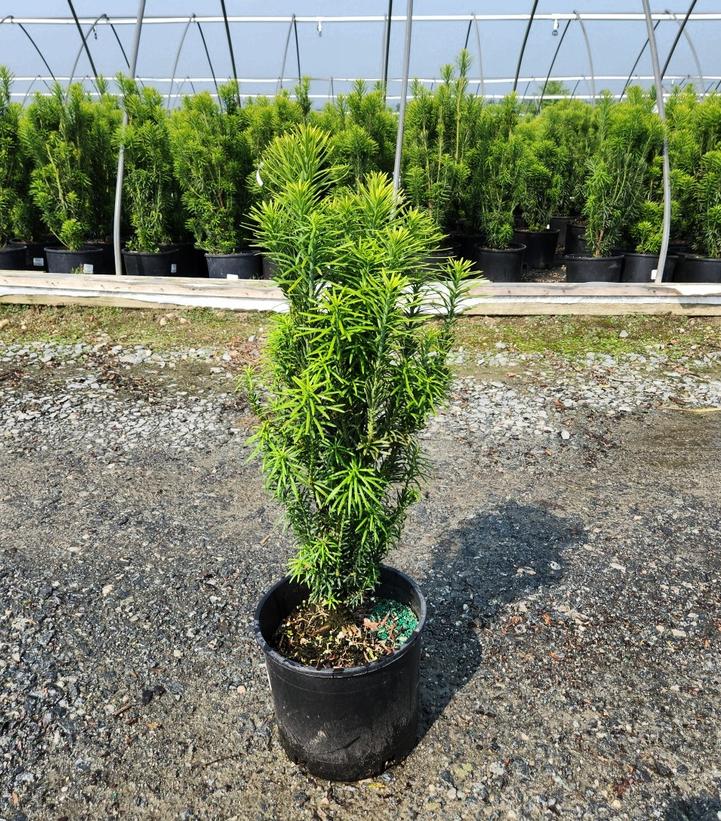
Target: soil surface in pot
318	637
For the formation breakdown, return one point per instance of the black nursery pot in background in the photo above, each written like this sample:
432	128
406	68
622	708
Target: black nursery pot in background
87	260
349	723
594	269
243	265
35	256
638	267
160	264
12	257
500	264
576	240
540	246
692	268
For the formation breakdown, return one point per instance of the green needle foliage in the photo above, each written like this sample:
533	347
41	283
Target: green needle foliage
13	168
353	371
149	185
539	181
708	197
630	136
70	141
212	160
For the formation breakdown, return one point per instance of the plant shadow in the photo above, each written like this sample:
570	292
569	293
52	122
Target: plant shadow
492	559
698	808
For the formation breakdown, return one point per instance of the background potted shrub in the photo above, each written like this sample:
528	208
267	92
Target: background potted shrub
540	192
571	127
351	379
13	171
151	194
443	128
61	136
706	266
630	135
212	160
493	194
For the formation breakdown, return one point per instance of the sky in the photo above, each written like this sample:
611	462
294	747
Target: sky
344	50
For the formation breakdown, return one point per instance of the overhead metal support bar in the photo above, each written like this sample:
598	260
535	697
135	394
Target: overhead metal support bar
120	44
230	46
481	86
666	164
177	58
83	39
281	76
378	18
297	48
638	58
121	152
523	45
590	55
404	95
553	61
683	30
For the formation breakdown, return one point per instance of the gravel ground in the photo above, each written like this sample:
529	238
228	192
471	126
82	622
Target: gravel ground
569	544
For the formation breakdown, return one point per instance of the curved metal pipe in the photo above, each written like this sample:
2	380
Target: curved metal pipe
29	88
523	46
121	153
633	67
120	44
680	31
177	58
34	44
590	56
386	47
553	62
285	56
81	49
230	48
658	77
686	34
297	47
404	95
481	85
83	39
207	54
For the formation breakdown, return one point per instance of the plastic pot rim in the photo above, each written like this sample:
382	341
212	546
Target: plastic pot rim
340	672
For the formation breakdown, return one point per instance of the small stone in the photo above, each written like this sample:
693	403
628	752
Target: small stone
679	634
107	590
623	335
565	435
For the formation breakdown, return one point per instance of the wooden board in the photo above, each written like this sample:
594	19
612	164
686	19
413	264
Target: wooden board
521	299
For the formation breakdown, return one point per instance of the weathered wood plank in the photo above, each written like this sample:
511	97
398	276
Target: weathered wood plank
484	298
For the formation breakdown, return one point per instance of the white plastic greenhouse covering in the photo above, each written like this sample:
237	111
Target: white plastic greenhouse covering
590	46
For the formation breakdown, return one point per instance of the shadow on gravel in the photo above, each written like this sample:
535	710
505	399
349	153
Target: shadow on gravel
491	560
699	808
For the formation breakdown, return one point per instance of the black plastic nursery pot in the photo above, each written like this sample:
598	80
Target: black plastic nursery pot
243	265
12	257
594	269
576	244
34	256
349	723
87	260
191	261
692	268
540	246
560	224
159	264
500	264
638	267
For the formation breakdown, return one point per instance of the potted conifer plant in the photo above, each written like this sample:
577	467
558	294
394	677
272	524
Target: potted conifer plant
705	266
12	175
63	138
149	184
352	375
494	193
212	159
630	136
539	197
